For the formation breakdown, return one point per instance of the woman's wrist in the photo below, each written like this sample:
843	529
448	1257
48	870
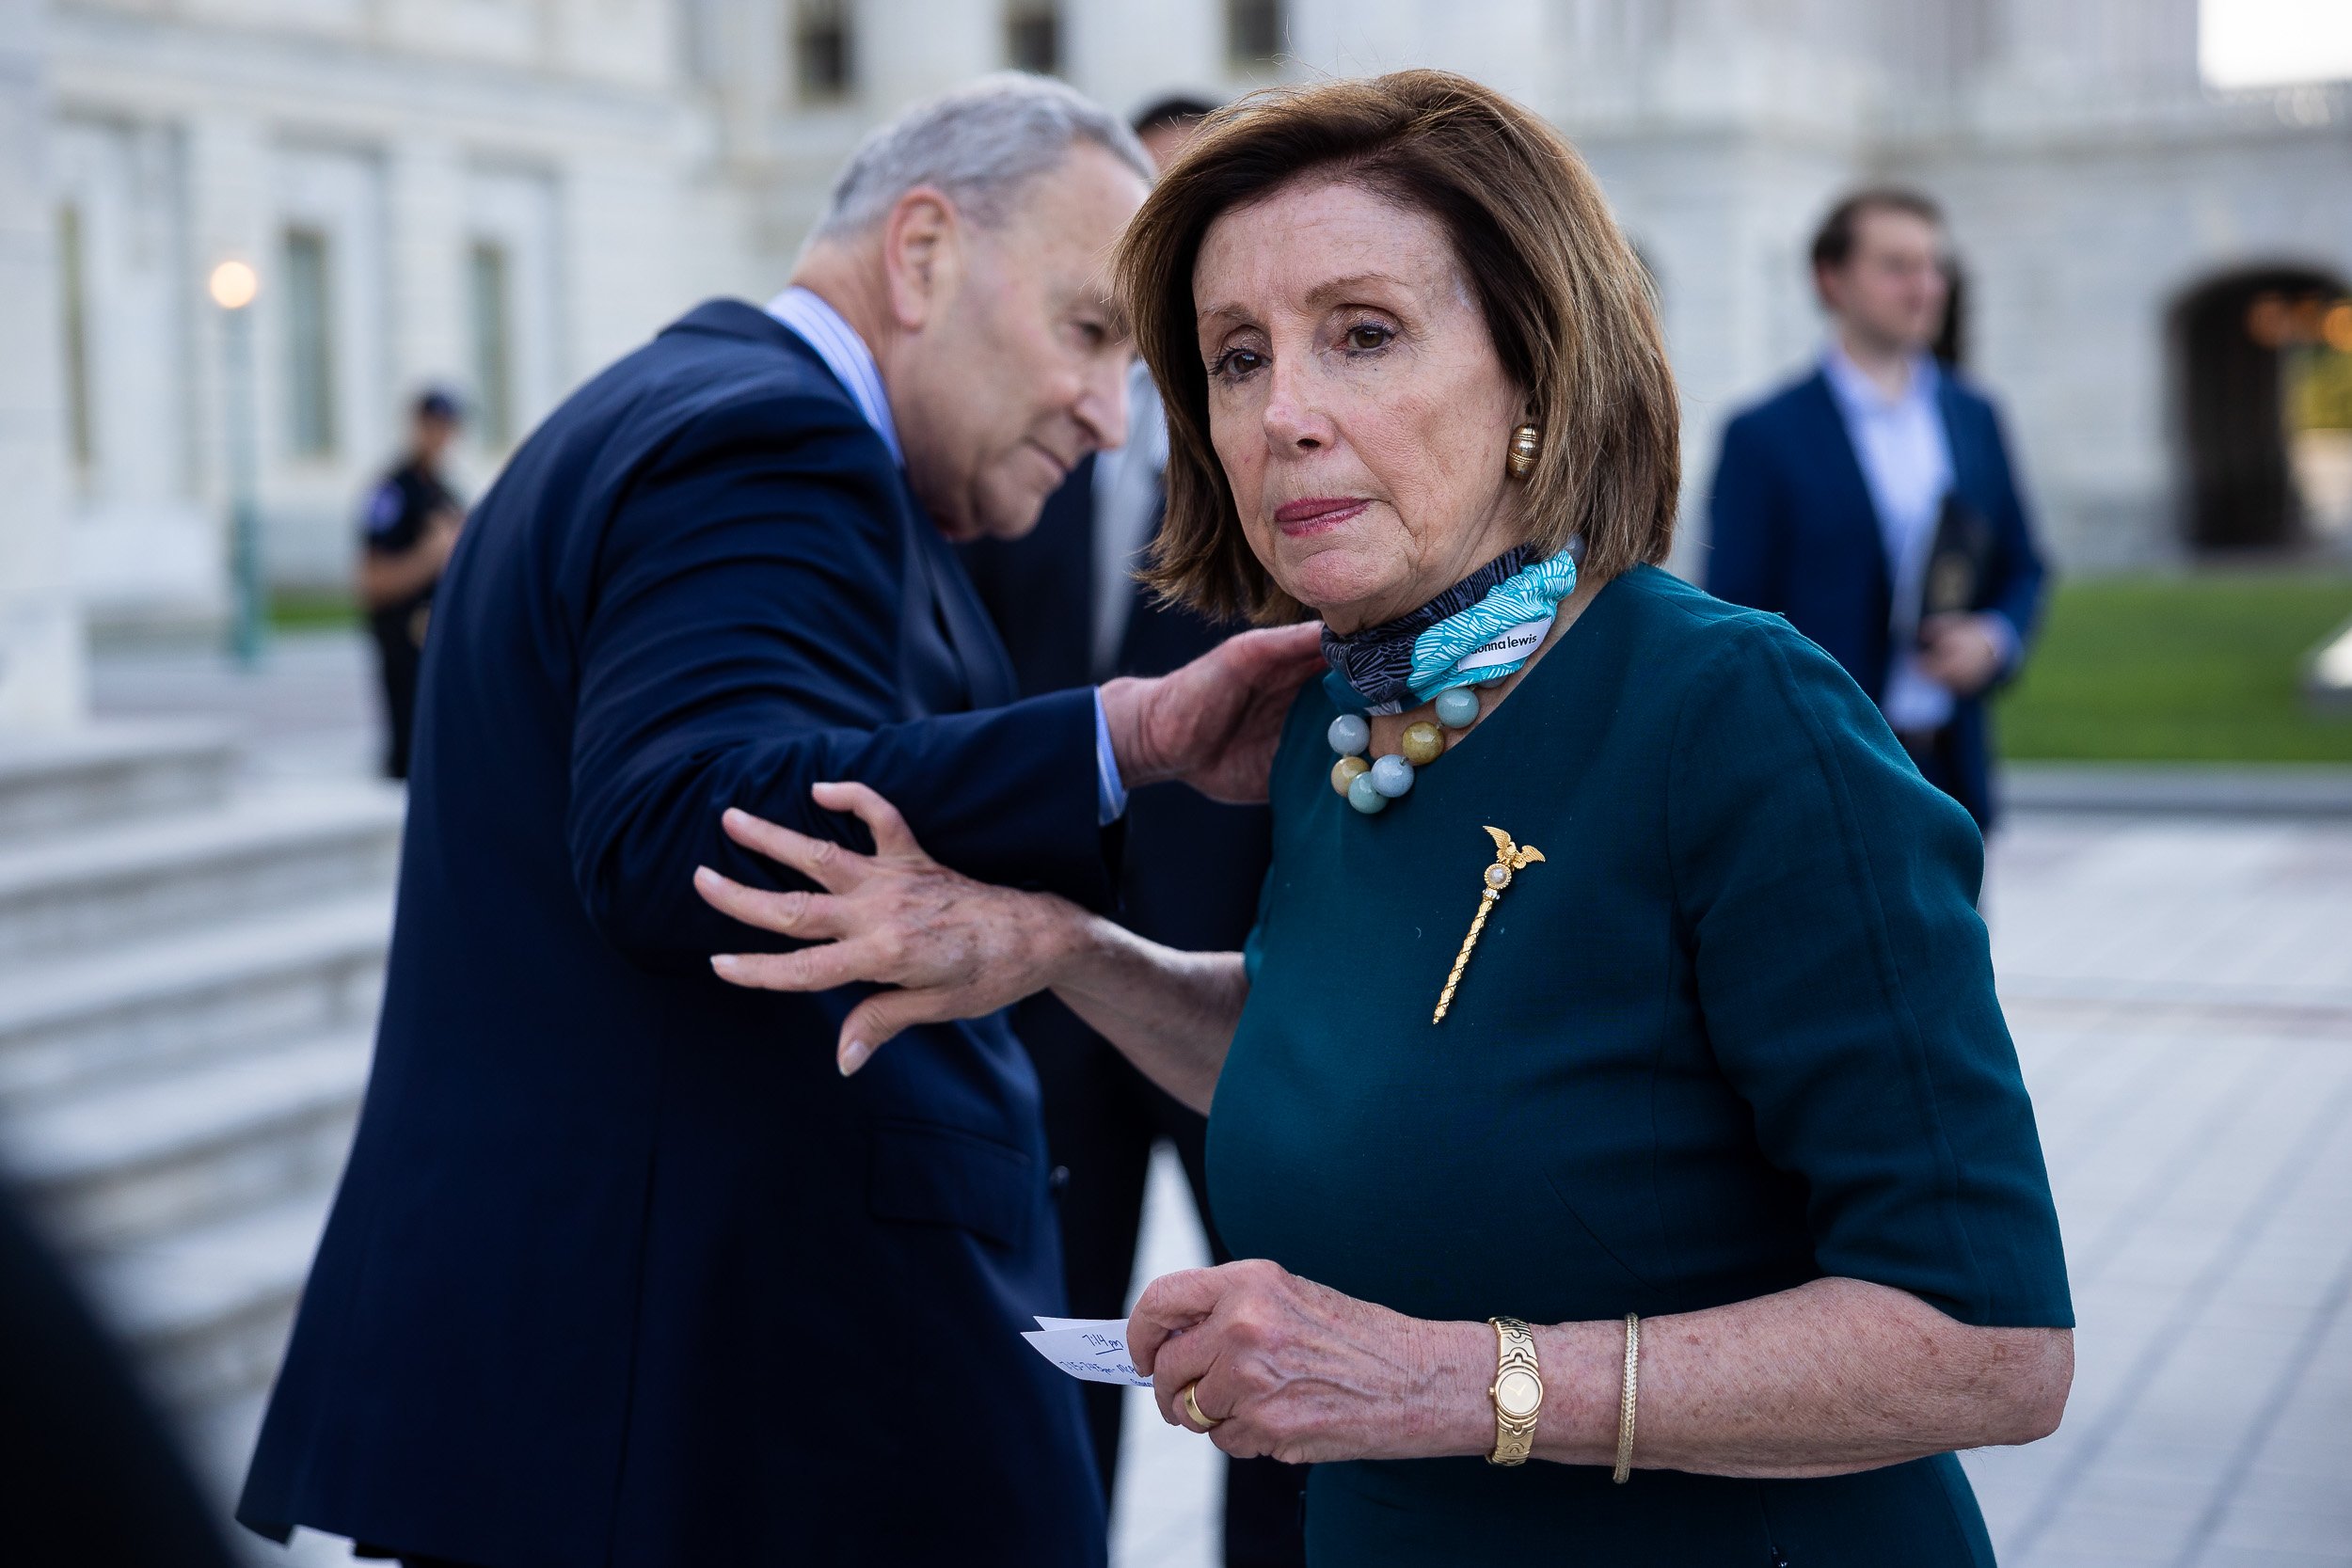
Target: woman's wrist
1076	949
1577	1422
1460	1370
1581	1365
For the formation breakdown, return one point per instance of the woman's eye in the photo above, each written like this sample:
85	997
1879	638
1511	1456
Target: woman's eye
1366	335
1235	362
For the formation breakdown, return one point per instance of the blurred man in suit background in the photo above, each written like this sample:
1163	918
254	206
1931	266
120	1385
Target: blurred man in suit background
1873	503
1071	614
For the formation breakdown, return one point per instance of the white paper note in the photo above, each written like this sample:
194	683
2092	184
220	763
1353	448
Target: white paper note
1092	1349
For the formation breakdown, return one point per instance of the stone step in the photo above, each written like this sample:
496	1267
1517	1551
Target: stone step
206	1309
106	774
270	847
126	1160
311	969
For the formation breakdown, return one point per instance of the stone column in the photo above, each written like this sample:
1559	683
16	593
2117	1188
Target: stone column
425	190
42	680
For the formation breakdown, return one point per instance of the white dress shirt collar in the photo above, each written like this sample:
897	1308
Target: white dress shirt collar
1905	456
1857	394
845	353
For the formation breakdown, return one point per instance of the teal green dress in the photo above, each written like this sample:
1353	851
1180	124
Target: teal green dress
1736	1031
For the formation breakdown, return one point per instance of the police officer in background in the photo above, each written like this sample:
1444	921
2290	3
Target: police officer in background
405	536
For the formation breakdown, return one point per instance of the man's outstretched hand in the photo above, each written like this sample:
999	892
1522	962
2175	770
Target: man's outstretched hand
1214	722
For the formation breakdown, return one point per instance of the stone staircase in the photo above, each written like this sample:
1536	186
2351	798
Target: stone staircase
190	962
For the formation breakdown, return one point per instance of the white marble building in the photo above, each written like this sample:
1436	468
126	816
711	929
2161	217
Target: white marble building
502	194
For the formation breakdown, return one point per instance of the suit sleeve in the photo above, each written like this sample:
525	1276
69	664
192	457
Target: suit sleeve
1827	895
2021	579
1748	545
743	646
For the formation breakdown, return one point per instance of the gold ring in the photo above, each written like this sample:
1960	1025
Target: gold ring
1192	1407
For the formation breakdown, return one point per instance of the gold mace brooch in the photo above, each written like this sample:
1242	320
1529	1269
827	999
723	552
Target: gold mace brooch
1509	858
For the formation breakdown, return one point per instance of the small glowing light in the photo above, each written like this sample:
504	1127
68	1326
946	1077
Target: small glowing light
2336	326
2270	321
234	284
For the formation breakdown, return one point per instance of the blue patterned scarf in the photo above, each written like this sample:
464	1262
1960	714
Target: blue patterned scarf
1474	631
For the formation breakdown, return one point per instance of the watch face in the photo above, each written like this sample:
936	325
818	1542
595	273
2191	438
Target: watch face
1518	1395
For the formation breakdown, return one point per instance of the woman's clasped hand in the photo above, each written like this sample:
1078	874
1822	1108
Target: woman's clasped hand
1293	1369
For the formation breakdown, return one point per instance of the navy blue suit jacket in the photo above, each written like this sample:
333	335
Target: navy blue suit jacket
1795	532
621	1271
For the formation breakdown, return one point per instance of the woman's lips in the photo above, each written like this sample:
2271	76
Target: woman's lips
1317	513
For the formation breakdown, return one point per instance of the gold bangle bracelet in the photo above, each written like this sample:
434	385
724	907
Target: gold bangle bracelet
1624	1397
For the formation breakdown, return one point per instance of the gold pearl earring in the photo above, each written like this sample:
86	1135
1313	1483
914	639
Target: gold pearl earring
1526	442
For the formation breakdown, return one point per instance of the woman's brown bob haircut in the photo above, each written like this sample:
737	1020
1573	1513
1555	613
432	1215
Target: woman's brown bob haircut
1566	299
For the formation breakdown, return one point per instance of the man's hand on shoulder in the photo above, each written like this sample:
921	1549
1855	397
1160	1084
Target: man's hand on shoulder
1214	723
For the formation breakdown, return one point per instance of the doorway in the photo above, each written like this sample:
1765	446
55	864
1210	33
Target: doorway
2263	367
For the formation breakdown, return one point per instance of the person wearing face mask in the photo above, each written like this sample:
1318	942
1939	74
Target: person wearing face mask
1873	503
1611	1107
624	1267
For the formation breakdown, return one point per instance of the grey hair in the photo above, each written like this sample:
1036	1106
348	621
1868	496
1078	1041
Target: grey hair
979	144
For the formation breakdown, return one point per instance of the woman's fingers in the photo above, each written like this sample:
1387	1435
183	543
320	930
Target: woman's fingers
1166	1340
1169	1305
892	836
820	859
875	1021
795	913
819	968
1184	1359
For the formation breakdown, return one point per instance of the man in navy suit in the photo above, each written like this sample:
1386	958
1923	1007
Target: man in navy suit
1830	493
627	1267
1065	600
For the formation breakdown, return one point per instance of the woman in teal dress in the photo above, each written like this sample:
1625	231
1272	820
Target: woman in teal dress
1613	1102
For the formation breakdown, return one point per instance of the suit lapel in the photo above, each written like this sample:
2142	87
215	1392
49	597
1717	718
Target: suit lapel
942	609
1843	471
1948	409
987	669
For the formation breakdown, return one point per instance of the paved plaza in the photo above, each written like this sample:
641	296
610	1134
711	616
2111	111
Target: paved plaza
2181	989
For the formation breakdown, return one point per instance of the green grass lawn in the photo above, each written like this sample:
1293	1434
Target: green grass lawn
312	609
2206	668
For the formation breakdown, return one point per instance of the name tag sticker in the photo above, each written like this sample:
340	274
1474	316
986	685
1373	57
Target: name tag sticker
1508	647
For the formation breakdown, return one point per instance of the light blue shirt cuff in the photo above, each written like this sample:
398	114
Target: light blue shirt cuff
1110	791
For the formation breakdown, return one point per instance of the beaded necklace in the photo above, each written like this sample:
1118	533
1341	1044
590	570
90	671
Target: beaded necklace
1483	645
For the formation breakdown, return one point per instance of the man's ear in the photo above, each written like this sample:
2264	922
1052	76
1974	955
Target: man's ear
1825	287
922	256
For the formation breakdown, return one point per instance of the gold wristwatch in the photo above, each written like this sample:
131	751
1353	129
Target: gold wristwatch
1518	1393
